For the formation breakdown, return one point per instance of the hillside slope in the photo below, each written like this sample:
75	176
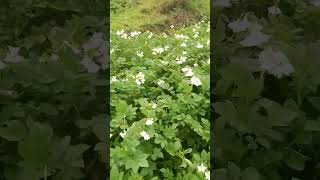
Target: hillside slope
158	15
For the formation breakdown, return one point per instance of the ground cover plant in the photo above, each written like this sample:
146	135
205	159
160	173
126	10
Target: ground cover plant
53	116
160	102
266	90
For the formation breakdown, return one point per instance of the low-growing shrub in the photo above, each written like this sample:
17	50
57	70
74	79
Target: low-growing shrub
160	104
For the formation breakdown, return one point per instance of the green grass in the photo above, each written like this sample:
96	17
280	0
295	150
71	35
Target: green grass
155	14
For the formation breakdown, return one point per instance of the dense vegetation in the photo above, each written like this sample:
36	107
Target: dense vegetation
159	93
266	89
160	104
53	85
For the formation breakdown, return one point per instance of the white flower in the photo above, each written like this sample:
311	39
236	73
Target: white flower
160	82
207	174
153	105
181	60
91	66
274	10
199	46
239	25
110	135
164	62
187	70
124	36
140	53
202	168
181	36
275	62
93	43
13	55
195	81
208	61
145	135
140	78
172	26
149	121
135	33
123	134
183	44
158	50
255	37
54	57
120	32
2	65
114	79
195	65
150	35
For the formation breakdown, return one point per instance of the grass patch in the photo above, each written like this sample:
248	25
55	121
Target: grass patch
158	15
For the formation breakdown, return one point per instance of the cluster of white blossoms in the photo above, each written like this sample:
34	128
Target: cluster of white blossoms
158	50
189	73
203	169
139	78
153	105
145	135
255	36
114	79
124	35
135	34
11	57
140	53
160	82
181	36
123	134
274	10
91	66
195	81
183	44
150	34
199	46
149	121
275	62
181	59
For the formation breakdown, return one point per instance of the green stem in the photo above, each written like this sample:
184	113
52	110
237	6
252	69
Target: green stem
45	172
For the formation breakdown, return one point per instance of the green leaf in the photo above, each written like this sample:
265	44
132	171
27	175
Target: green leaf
14	130
34	149
250	173
48	109
115	174
294	159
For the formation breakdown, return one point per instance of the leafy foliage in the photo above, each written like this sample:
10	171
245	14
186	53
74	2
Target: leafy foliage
52	106
266	90
160	113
